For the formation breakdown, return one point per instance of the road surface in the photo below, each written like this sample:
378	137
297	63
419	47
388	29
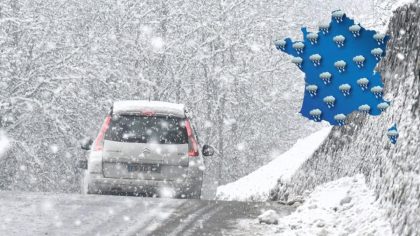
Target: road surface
23	213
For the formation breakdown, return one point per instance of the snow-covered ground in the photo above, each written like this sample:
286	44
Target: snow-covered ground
26	213
74	214
257	185
342	207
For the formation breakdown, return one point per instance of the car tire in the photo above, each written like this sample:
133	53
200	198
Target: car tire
84	183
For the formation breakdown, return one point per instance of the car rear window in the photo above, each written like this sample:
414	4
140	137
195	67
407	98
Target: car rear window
147	129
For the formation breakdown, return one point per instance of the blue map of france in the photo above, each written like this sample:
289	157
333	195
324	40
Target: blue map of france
339	65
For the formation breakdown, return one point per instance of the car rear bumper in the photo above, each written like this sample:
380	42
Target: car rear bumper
188	187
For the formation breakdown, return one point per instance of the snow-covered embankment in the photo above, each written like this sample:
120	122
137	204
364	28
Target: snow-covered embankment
362	147
257	185
346	206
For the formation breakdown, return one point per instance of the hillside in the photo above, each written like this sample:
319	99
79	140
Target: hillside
363	147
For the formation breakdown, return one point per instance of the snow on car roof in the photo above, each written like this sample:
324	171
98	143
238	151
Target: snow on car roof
149	106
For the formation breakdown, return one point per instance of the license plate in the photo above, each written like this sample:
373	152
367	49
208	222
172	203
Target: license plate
143	168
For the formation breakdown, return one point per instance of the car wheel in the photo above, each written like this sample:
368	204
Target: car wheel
84	183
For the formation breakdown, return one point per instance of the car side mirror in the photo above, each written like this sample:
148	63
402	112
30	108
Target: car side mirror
86	143
208	150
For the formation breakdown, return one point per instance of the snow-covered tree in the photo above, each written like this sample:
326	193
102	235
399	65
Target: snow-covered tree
63	63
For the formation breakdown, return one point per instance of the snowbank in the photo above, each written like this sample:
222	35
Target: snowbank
257	185
342	207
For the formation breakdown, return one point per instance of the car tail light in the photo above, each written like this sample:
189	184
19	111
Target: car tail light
99	141
192	143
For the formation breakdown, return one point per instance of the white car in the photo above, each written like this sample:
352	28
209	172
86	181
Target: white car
145	147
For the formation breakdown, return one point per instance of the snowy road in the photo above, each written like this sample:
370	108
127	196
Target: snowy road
71	214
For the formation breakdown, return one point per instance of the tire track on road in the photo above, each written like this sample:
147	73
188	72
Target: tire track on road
181	218
199	222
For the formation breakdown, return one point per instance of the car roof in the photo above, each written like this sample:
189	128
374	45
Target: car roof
157	107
